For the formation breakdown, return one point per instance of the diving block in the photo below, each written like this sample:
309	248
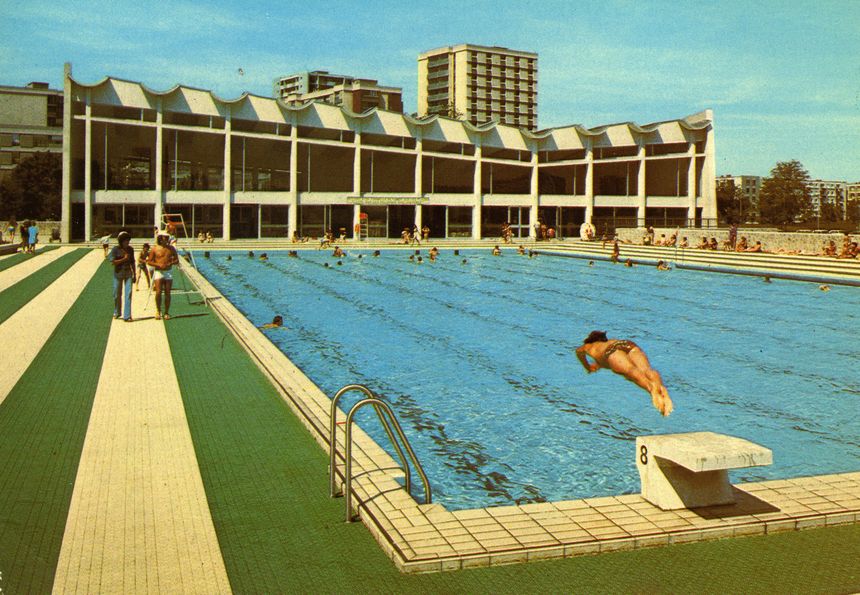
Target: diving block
691	470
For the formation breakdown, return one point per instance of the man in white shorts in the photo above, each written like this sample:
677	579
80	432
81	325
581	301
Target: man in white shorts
161	258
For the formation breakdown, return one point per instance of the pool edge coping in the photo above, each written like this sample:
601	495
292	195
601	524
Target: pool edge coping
429	538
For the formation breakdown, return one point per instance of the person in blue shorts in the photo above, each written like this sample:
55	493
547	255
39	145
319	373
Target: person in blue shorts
32	236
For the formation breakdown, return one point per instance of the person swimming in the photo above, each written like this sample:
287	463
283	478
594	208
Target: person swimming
625	358
277	322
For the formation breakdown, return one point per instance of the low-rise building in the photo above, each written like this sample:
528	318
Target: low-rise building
255	167
750	187
832	191
31	121
356	94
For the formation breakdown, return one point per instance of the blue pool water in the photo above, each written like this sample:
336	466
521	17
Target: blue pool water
477	361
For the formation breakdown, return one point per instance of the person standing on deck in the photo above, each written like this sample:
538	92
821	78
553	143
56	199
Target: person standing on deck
162	257
627	359
33	236
122	259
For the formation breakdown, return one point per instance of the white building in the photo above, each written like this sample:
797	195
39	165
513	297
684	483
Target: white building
481	83
750	187
832	191
254	167
356	94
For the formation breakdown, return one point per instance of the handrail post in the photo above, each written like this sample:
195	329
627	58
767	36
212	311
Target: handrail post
333	436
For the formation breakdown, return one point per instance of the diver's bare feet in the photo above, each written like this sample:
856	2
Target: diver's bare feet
657	399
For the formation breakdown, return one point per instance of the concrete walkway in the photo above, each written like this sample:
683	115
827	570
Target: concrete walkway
139	521
12	275
39	317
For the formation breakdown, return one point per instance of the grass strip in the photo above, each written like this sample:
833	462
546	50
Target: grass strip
21	257
13	298
43	422
267	488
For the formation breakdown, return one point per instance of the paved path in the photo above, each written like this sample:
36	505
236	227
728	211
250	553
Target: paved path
12	275
41	315
139	521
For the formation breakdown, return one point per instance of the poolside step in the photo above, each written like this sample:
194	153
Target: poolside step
690	470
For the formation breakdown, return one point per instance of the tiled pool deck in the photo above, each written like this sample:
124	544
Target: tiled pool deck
429	538
109	482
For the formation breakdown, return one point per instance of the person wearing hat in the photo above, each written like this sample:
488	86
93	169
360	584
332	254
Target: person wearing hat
625	358
122	259
162	257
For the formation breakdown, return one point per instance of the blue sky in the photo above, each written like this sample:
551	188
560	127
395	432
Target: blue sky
783	78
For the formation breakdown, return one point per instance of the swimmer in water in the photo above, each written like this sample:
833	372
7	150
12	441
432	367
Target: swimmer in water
229	257
591	263
824	287
496	251
521	250
464	261
277	322
627	359
264	256
766	279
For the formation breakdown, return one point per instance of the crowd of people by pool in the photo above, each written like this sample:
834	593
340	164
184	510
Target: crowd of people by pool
27	232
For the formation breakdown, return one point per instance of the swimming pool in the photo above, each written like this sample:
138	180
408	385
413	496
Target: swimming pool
477	361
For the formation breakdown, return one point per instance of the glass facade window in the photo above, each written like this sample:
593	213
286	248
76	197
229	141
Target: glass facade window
459	222
274	220
193	160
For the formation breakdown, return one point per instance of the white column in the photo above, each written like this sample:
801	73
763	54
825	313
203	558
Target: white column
88	170
419	181
356	221
709	181
640	186
589	184
476	189
356	166
691	184
228	174
293	214
159	162
533	209
66	204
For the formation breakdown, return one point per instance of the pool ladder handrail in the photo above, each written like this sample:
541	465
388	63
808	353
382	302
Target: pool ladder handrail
388	420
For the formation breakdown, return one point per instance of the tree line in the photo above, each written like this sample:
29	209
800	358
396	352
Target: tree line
33	189
785	198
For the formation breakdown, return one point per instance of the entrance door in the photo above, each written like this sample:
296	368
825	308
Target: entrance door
400	216
78	223
341	220
243	222
434	218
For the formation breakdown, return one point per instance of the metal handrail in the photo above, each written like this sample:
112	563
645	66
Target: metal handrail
333	436
376	401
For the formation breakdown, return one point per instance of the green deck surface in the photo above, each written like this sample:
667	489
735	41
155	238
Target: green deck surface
21	257
43	422
13	298
267	486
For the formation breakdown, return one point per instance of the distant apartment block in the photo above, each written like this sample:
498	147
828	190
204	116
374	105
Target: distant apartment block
750	187
355	94
31	121
479	84
833	191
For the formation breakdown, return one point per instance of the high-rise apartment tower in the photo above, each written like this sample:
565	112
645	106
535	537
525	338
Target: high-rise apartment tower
479	84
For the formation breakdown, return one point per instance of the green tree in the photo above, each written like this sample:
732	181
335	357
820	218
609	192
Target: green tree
33	189
829	210
785	195
732	204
